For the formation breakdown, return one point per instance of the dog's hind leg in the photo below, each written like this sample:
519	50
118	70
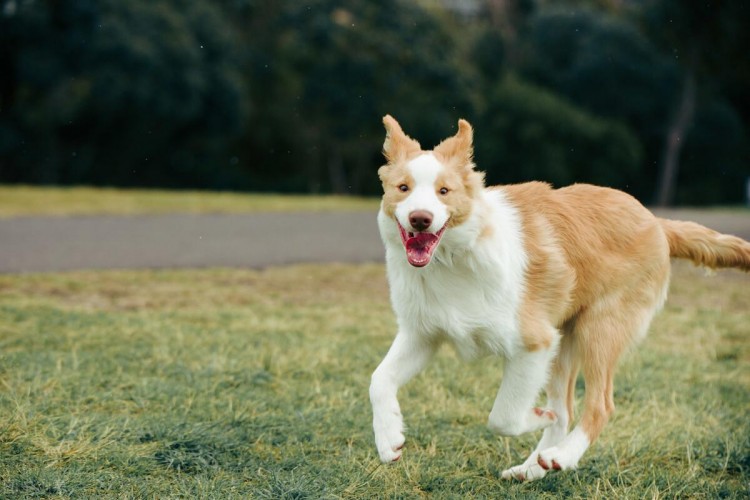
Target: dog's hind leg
523	377
601	335
560	393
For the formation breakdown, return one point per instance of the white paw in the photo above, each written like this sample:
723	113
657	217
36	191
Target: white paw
556	458
389	438
527	471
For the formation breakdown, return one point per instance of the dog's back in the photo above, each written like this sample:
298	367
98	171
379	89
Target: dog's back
607	238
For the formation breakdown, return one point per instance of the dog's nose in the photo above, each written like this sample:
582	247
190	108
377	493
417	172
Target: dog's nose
420	219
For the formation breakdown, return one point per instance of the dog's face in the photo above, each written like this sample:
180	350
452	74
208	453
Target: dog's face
426	193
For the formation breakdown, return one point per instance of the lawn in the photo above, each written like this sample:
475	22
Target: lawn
33	200
237	384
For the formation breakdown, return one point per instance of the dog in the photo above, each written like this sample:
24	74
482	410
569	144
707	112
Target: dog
552	280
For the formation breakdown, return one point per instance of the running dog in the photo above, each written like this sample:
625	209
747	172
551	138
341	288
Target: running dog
552	280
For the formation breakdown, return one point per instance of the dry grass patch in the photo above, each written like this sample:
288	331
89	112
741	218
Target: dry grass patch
30	200
236	384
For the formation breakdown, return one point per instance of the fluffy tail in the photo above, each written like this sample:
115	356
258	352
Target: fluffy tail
704	246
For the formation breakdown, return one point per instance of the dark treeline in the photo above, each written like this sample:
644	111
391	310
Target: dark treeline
648	96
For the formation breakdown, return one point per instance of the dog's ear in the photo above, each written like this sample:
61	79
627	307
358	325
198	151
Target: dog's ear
459	147
397	145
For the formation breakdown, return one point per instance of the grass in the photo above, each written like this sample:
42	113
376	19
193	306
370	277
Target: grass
237	384
21	200
57	201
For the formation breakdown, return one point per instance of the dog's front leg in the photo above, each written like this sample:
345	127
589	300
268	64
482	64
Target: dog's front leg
407	356
524	376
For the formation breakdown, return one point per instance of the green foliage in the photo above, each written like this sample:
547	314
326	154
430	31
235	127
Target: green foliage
128	93
288	96
530	133
710	42
715	154
334	72
607	66
603	64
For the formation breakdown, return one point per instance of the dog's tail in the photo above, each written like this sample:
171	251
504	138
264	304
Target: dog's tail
704	246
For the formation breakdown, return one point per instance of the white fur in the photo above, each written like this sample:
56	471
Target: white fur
469	296
568	452
470	292
424	170
524	376
554	434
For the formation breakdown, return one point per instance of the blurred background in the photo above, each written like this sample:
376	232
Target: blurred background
648	96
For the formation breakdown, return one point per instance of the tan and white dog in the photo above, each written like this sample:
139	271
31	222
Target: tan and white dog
552	280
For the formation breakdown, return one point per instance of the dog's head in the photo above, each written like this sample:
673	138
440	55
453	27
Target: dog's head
427	193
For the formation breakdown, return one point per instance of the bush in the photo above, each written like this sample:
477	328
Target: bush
528	133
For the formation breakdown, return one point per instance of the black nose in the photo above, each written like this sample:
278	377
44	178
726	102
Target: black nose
420	219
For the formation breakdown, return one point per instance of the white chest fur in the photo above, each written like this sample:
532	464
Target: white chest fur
470	294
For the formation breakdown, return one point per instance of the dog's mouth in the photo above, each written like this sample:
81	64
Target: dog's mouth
420	246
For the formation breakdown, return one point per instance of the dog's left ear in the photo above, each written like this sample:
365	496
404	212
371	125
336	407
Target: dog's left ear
459	147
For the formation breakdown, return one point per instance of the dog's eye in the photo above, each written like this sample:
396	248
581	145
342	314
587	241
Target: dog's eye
443	191
404	188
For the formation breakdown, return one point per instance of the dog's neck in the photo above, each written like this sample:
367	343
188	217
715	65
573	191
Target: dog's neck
461	244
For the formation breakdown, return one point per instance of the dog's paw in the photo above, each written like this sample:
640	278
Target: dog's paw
390	447
389	439
527	471
556	459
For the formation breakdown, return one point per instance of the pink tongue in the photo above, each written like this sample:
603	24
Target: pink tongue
419	249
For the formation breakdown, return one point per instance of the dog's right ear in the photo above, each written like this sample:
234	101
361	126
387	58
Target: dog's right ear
397	145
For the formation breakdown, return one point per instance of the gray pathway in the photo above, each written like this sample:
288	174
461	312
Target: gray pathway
30	244
38	244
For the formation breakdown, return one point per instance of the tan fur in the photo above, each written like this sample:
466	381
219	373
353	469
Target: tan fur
598	268
549	279
392	177
460	196
704	246
398	150
564	374
398	147
457	151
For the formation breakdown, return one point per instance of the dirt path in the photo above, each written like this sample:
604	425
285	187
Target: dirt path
40	244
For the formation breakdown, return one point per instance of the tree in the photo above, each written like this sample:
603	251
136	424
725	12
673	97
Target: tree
611	68
712	167
707	39
128	93
529	133
330	71
606	66
276	95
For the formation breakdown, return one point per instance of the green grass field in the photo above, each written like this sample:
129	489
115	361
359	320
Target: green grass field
253	384
34	200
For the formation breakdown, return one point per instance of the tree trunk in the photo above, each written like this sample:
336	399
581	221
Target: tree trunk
674	143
